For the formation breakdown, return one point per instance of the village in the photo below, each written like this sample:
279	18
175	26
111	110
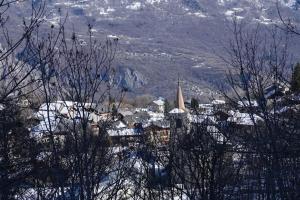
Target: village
149	139
131	129
131	126
149	100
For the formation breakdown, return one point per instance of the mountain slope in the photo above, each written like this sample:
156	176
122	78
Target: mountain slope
160	39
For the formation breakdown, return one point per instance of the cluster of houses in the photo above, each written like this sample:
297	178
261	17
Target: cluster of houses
131	128
127	128
135	126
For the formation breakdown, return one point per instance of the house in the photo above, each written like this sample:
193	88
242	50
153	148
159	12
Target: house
56	119
157	105
209	123
138	117
154	116
245	105
49	126
158	132
288	112
218	104
276	90
125	112
243	119
129	137
121	135
206	108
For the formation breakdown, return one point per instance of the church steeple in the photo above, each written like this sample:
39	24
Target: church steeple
179	98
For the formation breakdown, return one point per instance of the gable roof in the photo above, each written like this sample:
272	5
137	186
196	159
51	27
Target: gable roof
159	102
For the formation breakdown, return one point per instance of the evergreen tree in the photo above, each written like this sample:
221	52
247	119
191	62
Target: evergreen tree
194	104
17	152
114	110
295	83
167	107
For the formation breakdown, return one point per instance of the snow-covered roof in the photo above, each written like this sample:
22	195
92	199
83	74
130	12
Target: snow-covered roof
141	109
206	106
154	116
67	103
246	103
65	110
177	111
69	109
95	117
243	118
47	125
51	107
159	102
43	114
125	112
282	87
198	119
118	149
65	106
218	102
123	132
284	109
76	104
139	117
120	125
159	123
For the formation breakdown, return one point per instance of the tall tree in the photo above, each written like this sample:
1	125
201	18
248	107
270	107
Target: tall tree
194	104
167	107
295	83
17	152
16	77
83	76
266	142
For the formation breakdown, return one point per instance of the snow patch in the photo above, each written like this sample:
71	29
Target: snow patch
264	20
134	6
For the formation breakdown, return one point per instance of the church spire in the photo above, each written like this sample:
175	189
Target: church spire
179	98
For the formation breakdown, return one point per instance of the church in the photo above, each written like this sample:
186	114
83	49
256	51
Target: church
179	123
182	122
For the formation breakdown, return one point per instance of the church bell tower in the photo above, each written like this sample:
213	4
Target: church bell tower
178	116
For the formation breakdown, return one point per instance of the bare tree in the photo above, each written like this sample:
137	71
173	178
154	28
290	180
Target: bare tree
16	75
15	78
259	60
79	75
